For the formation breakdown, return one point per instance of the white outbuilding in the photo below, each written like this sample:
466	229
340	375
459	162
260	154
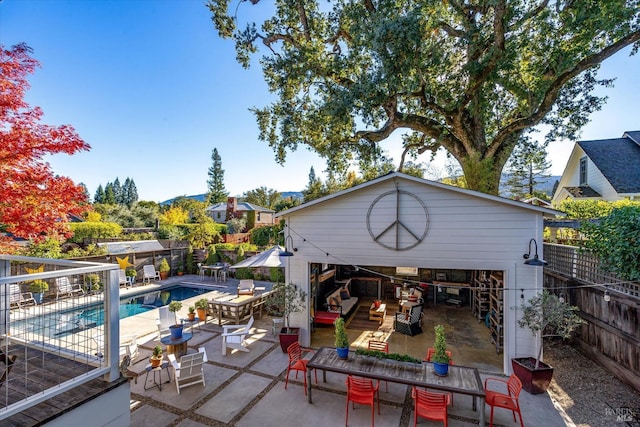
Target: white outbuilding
401	228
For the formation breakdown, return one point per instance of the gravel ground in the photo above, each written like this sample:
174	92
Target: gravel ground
589	395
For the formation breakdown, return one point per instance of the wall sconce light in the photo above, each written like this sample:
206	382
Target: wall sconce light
535	261
288	242
522	295
607	295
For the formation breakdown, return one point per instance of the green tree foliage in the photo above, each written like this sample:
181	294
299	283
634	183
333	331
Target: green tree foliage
215	184
527	168
473	77
99	196
195	208
262	196
129	192
314	189
615	239
287	203
109	195
585	209
203	234
141	214
94	230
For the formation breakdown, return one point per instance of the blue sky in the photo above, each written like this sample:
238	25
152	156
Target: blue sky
150	86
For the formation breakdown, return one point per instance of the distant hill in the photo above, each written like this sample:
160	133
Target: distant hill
201	197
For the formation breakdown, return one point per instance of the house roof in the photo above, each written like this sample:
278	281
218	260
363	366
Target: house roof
618	160
241	206
582	192
394	175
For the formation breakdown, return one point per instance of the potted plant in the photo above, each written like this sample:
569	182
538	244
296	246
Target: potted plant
342	339
201	306
131	274
92	282
38	287
440	358
156	357
291	300
176	330
192	313
547	315
164	268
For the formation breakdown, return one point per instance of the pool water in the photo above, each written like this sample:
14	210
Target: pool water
63	323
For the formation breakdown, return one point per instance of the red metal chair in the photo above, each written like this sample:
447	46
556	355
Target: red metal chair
429	405
430	353
297	363
501	400
362	391
383	347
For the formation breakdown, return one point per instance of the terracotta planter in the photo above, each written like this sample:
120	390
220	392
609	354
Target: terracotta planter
534	381
191	316
163	275
287	337
155	362
202	314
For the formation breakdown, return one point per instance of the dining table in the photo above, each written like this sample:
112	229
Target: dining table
460	379
214	270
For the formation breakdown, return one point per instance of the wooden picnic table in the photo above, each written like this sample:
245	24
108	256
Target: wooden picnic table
461	379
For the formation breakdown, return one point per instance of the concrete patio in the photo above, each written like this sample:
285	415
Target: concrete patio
247	389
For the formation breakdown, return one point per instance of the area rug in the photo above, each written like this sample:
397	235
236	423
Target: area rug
360	320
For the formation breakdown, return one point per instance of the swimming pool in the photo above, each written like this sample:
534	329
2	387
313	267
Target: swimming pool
63	323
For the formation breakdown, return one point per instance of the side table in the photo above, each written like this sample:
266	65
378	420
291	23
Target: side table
192	323
177	346
157	375
378	313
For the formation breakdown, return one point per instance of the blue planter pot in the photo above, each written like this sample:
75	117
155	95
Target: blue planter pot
343	353
176	331
38	297
441	369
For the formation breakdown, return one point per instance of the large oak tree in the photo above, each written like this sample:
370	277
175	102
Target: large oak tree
473	77
34	203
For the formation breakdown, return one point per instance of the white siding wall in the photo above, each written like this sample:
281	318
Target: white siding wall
465	232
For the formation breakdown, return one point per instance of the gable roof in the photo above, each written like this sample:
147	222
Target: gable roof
618	160
116	248
394	175
240	206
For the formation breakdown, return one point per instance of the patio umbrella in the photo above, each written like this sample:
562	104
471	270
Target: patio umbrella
268	258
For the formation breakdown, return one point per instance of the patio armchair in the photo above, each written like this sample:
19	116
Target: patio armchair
430	405
362	391
128	346
246	287
298	363
18	298
234	336
189	371
409	323
165	320
509	400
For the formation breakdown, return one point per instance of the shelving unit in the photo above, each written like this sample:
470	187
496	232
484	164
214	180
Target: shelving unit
496	307
480	301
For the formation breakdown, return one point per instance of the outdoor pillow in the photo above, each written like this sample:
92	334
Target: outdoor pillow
344	295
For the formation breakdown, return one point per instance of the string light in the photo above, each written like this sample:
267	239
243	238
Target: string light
561	298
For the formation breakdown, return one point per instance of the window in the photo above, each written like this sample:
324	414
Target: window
218	215
583	171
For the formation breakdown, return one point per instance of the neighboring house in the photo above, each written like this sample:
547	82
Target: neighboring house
399	225
221	212
607	169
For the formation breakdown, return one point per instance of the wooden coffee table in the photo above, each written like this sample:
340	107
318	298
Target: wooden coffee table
378	313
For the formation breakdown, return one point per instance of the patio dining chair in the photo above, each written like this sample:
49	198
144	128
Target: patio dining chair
298	363
430	405
509	400
362	391
382	346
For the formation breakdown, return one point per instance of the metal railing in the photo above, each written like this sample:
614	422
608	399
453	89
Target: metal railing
52	346
583	265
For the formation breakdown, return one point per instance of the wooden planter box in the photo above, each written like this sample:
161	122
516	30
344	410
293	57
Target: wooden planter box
534	381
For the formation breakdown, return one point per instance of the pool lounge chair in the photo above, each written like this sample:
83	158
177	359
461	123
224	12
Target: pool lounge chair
149	272
64	287
19	298
123	279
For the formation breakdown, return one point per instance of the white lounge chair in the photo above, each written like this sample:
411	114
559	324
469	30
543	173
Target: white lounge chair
123	279
234	336
128	346
189	371
165	320
246	287
65	288
149	272
19	298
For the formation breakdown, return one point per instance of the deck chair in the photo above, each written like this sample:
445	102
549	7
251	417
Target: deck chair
19	298
65	288
246	287
123	279
409	324
189	371
234	336
149	272
165	320
128	346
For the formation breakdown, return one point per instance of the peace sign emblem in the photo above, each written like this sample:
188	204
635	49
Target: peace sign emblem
398	220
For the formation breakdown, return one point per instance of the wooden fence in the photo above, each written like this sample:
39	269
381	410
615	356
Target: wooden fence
611	334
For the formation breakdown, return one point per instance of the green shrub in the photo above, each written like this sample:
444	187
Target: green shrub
94	230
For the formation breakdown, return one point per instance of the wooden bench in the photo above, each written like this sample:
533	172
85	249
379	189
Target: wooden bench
325	317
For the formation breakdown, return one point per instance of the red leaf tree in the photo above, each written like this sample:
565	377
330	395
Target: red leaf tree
34	203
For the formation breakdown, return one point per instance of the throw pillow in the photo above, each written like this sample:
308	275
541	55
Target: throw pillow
344	295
